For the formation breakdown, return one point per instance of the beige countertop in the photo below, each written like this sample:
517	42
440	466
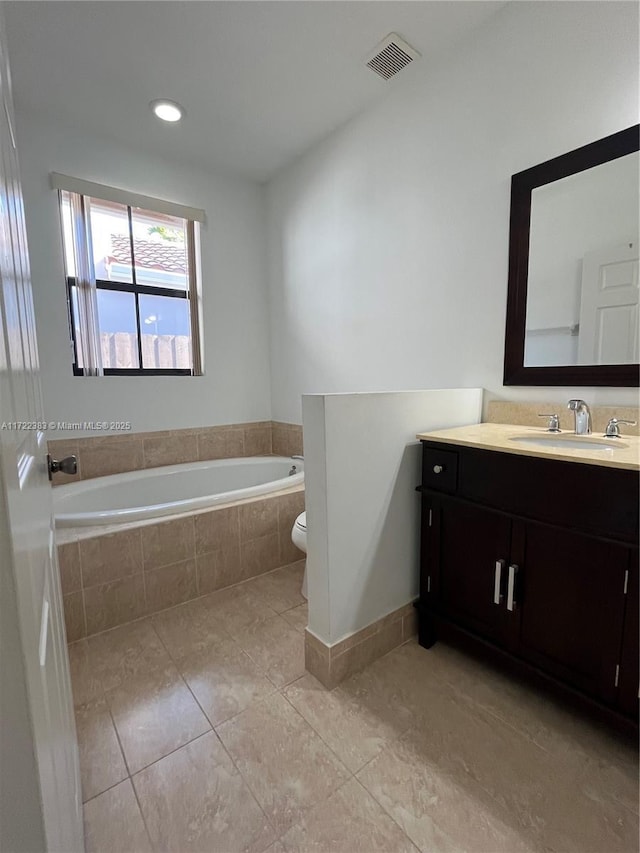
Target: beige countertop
490	436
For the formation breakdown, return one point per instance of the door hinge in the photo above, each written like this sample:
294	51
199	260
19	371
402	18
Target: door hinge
626	581
617	675
430	517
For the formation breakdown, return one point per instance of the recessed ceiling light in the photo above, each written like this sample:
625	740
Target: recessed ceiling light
167	110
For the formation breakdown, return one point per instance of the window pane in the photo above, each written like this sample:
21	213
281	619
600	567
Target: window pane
160	249
76	326
166	332
118	335
110	240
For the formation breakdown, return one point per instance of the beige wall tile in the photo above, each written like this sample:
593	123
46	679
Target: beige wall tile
167	542
526	414
251	424
217	529
364	653
111	440
257	440
107	558
288	551
170	585
369	630
111	454
69	563
259	555
220	443
332	664
74	616
170	450
101	460
110	604
280	440
113	823
258	518
289	508
317	662
355	639
286	439
218	569
410	625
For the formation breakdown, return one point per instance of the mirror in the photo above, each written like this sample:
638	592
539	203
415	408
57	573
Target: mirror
572	308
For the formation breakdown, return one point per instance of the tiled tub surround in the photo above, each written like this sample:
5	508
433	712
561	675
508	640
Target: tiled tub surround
100	456
114	577
526	414
332	664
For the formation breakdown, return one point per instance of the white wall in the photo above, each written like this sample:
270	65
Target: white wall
362	464
388	243
236	387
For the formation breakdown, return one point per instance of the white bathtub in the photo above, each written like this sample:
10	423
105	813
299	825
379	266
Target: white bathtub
172	489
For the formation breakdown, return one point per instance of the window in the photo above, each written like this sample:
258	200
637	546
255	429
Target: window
131	288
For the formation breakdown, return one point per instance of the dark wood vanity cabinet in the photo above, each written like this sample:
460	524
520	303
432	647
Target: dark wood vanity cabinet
514	562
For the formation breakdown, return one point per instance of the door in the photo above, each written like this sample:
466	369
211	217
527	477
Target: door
609	307
27	543
468	566
567	627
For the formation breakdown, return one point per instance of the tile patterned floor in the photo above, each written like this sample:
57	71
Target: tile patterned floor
200	731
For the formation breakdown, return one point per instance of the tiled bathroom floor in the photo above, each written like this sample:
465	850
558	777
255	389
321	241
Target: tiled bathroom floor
200	731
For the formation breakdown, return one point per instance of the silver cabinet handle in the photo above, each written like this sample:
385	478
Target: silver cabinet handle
438	469
497	582
511	602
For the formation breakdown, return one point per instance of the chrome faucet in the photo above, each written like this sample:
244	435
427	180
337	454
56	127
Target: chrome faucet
583	416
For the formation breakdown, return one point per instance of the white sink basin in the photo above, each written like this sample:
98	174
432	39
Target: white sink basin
575	442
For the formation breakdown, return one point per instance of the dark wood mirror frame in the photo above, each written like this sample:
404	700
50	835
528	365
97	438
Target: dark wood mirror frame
515	373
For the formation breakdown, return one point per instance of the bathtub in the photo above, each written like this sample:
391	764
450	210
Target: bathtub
172	489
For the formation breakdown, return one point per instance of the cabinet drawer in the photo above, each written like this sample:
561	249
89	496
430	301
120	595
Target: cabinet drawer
439	469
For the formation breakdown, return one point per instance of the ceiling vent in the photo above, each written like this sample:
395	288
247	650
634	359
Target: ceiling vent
391	56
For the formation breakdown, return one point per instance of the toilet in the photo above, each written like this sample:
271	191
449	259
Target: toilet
299	539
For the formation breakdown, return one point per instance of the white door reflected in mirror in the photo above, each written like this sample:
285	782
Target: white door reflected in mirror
582	291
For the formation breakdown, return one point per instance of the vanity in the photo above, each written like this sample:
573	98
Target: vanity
529	554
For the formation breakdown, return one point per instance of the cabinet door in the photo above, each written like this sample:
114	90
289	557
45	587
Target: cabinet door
467	543
570	599
629	659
